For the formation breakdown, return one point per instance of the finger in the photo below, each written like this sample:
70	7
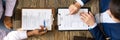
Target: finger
81	13
41	28
20	29
75	10
82	18
43	32
84	15
90	14
71	8
72	12
45	29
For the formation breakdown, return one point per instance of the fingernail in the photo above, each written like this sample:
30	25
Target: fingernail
81	16
89	11
71	12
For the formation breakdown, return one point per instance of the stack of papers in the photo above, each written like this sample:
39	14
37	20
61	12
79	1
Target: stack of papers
71	22
34	18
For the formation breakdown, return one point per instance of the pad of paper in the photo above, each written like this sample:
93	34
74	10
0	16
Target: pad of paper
70	22
34	18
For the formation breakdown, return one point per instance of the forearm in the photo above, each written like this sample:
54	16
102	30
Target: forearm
77	5
82	2
85	1
16	35
30	33
97	33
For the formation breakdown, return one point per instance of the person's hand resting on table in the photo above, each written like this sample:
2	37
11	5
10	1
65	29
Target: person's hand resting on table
88	18
37	31
74	8
23	34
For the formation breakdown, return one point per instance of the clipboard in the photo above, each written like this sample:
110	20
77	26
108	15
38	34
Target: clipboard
67	22
33	18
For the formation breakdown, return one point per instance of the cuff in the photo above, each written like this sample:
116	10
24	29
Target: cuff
91	27
80	2
23	34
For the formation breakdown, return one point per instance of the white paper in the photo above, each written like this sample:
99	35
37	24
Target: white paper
33	18
71	22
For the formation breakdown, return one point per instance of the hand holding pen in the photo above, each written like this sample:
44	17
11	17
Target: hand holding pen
40	31
44	25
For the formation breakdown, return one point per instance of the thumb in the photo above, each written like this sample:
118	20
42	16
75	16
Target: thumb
43	32
71	12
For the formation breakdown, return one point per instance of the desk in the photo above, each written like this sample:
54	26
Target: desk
55	34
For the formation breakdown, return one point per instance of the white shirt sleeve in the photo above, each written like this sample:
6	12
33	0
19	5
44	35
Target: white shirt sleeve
80	2
16	35
91	27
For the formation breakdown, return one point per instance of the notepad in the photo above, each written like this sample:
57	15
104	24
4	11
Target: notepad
71	22
34	18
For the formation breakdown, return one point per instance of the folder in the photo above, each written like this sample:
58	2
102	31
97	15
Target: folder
71	22
33	18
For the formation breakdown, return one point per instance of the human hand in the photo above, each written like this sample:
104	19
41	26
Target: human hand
74	8
88	18
38	31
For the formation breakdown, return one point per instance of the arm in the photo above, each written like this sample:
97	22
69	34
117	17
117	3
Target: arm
19	35
97	33
82	2
16	35
76	6
93	27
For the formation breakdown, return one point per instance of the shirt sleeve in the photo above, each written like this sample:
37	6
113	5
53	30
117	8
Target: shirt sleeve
95	29
16	35
97	20
91	27
97	33
82	2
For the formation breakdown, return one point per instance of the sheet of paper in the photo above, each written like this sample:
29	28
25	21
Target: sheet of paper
33	18
70	22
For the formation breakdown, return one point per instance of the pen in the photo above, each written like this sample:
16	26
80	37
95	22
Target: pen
44	24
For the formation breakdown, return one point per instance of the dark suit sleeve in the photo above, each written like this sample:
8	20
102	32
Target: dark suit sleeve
97	33
85	1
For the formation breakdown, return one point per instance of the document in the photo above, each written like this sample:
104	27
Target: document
34	18
71	22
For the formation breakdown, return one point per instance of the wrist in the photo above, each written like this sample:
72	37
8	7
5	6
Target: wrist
93	26
30	33
77	5
80	2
